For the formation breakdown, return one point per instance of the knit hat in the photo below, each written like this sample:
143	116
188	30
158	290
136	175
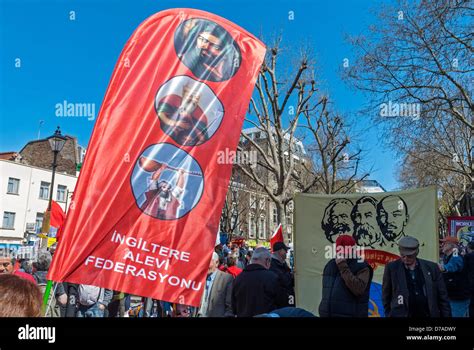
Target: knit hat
345	241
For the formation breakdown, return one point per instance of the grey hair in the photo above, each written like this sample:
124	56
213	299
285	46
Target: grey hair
260	254
44	260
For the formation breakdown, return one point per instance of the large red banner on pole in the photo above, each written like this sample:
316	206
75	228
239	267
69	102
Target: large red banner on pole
146	208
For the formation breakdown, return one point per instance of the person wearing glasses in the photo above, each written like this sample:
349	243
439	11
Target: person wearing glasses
413	287
207	49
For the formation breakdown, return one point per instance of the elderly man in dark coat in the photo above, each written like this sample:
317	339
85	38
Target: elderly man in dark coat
413	287
281	268
257	290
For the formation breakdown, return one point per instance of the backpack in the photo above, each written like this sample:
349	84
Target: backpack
88	295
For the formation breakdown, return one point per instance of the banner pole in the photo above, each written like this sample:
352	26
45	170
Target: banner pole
46	296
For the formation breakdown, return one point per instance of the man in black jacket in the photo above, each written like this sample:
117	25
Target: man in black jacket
346	282
280	267
257	290
413	287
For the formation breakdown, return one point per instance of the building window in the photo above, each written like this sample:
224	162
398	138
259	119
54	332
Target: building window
261	204
289	223
39	222
261	228
290	206
44	190
234	222
252	227
253	201
275	216
61	195
13	185
8	220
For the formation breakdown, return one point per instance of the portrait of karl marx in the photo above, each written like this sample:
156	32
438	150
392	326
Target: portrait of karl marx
337	219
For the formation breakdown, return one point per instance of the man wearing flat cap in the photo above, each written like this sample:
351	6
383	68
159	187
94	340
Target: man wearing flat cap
413	287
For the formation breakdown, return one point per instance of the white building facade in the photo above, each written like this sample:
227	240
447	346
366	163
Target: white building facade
24	196
369	186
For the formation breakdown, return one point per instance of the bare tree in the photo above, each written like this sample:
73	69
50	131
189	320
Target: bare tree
441	155
416	68
287	112
232	213
236	206
335	168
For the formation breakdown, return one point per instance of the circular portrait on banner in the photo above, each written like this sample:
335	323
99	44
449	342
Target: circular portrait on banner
188	110
207	50
167	182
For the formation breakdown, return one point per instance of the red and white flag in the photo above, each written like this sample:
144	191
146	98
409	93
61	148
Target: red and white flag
57	215
277	236
147	204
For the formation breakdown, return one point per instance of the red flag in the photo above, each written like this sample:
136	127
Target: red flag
149	197
57	215
277	236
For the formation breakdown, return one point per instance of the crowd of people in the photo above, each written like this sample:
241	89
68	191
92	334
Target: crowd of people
411	287
242	282
235	274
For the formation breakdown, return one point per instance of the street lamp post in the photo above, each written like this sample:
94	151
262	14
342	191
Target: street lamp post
56	142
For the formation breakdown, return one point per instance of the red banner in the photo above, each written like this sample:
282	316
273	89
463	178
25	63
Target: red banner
376	257
147	204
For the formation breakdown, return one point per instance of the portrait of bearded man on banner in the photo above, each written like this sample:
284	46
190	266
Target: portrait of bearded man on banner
207	50
364	216
392	217
188	111
337	219
166	186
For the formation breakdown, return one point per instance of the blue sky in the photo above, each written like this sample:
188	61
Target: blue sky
73	60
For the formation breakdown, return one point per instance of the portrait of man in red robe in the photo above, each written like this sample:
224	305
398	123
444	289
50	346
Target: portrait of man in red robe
182	118
162	198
